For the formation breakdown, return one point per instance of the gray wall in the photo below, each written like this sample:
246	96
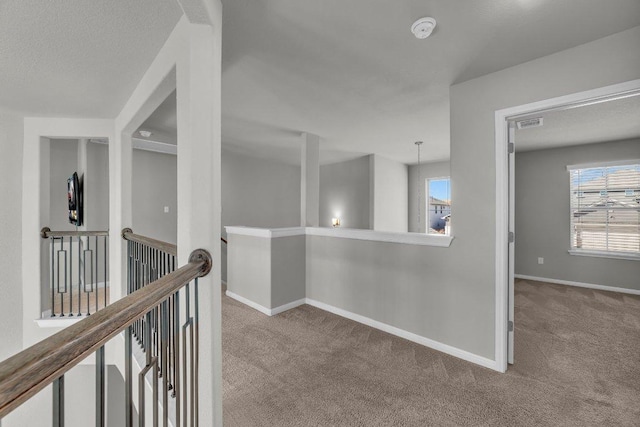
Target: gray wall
258	193
63	163
154	187
116	398
96	187
345	189
417	183
11	142
542	216
288	269
250	268
473	180
405	286
390	194
268	271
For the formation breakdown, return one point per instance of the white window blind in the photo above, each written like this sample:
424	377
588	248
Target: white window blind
605	208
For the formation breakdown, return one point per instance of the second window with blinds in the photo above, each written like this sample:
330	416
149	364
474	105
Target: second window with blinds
605	209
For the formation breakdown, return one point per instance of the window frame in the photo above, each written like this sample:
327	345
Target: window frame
595	252
427	211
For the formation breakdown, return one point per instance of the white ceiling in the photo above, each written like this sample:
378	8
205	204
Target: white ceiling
349	71
163	123
608	121
78	58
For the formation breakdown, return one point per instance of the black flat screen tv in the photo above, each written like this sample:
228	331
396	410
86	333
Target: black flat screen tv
74	194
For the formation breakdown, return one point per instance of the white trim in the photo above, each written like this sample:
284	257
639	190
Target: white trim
155	146
287	232
58	322
502	243
262	309
288	306
421	239
580	284
605	254
604	164
453	351
502	185
265	232
572	100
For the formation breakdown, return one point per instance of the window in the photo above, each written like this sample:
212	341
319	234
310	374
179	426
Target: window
439	206
605	209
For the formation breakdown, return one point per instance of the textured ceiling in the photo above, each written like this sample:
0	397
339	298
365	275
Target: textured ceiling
78	58
607	121
352	73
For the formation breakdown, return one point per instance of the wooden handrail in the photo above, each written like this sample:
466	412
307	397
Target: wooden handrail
31	370
46	232
169	248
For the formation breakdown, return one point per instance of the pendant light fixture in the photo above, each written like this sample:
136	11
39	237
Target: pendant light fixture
418	144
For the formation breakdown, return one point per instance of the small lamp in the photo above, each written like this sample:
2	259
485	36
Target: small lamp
335	222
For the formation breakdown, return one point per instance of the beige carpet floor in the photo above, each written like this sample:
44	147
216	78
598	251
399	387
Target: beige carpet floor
577	364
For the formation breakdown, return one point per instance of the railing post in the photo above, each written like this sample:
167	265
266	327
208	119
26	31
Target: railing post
100	419
58	402
128	378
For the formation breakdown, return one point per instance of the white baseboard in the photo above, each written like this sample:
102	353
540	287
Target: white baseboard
453	351
288	306
579	284
262	309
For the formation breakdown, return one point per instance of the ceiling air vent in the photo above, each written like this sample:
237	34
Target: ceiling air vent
530	123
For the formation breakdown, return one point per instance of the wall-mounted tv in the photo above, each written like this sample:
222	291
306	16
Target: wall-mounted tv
74	194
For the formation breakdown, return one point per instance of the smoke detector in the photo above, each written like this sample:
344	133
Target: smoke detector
423	27
530	123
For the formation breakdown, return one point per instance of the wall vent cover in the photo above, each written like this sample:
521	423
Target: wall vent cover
530	123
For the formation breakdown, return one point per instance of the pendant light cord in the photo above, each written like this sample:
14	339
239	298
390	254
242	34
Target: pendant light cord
419	143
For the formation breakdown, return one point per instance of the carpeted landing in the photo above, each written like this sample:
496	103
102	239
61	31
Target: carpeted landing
577	364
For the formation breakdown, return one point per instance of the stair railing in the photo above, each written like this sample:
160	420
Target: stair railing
166	311
78	272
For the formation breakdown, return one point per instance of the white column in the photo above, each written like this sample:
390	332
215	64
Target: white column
45	220
83	176
120	211
199	196
310	181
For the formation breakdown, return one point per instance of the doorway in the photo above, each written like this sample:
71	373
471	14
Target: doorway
505	130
